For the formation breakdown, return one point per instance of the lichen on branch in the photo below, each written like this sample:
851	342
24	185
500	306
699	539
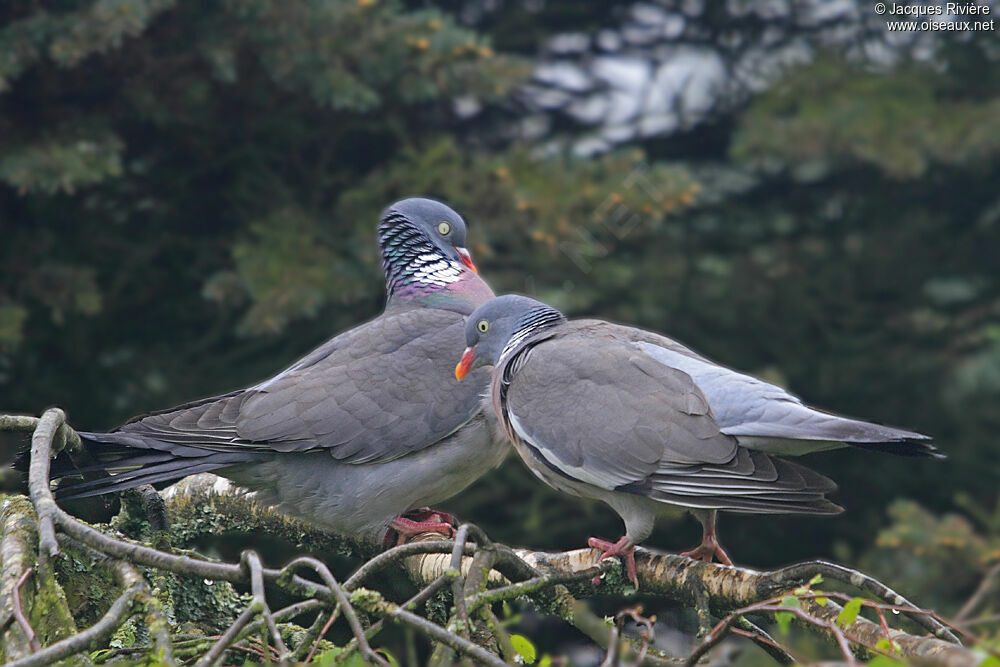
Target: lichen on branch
160	601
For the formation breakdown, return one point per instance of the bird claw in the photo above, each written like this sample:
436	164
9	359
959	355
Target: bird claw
623	548
709	550
428	514
416	522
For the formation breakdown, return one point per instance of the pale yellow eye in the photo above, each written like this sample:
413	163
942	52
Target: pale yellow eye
444	228
483	326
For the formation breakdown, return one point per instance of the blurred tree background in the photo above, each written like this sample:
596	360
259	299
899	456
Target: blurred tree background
189	191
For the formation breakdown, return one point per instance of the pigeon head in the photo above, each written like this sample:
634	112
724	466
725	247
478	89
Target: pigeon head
498	326
422	242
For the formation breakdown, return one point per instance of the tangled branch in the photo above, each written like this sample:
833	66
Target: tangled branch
470	571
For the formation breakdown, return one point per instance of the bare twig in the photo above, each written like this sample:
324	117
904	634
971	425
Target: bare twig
28	424
18	553
536	575
185	565
533	585
425	594
227	638
648	632
343	602
865	633
728	588
38	479
159	627
990	581
500	634
24	423
251	561
410	605
614	647
280	616
595	627
234	573
313	645
291	611
119	611
792	575
476	580
983	620
725	626
128	577
765	641
374	603
26	628
458	585
397	554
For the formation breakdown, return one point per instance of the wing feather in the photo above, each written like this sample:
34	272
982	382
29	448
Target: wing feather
606	416
767	417
596	412
374	393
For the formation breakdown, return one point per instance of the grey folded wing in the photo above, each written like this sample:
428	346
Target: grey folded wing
598	412
762	415
374	393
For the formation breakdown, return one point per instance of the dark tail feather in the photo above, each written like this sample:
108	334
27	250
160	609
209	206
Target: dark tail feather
107	466
914	448
113	484
177	467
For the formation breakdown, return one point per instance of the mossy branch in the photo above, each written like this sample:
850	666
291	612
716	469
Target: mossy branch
478	573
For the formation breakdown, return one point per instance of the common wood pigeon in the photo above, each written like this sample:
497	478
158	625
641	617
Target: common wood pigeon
365	428
641	422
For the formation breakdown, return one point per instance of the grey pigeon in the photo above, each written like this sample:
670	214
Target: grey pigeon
368	426
641	422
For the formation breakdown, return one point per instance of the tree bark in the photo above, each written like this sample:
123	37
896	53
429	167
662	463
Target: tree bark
45	552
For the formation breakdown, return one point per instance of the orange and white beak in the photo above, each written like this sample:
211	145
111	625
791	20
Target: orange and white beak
466	258
462	368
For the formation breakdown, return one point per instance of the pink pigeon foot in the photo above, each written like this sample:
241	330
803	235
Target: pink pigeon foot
428	514
709	550
623	548
416	522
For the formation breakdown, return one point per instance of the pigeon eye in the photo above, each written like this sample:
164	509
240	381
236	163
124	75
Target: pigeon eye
483	326
444	228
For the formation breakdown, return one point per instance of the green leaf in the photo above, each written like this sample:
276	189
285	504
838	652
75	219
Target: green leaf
546	661
524	648
390	658
326	658
884	661
784	620
990	661
889	646
329	658
849	612
355	660
821	602
807	588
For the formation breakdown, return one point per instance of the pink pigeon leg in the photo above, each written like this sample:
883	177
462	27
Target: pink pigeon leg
624	548
709	549
417	521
